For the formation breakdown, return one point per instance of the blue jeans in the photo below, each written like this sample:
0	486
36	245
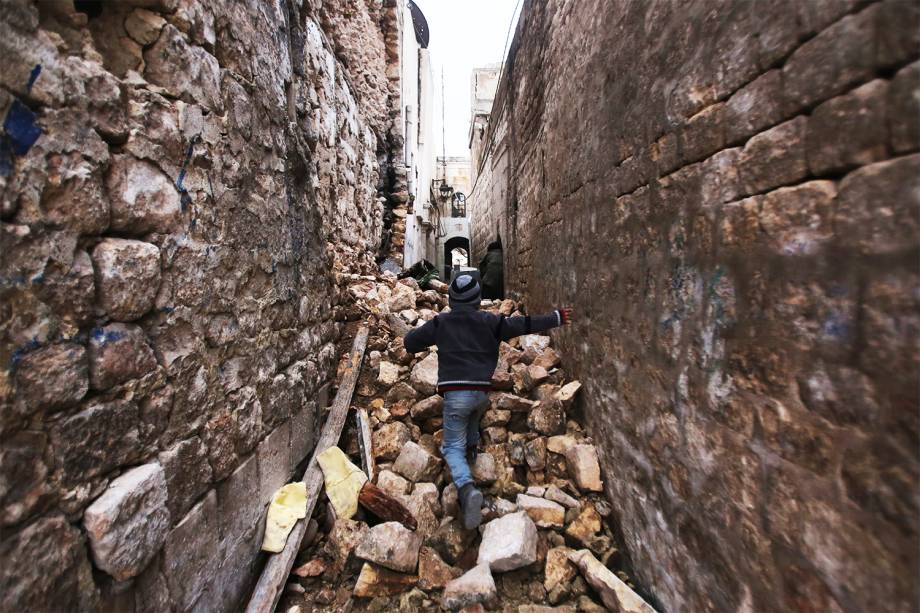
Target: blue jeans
462	411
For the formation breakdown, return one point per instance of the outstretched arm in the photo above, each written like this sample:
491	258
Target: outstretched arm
420	339
516	326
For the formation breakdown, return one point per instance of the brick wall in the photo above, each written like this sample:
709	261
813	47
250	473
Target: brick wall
163	359
727	193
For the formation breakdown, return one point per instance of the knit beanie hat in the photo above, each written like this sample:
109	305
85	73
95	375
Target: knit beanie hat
465	290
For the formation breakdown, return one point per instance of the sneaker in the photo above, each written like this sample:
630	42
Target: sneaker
470	506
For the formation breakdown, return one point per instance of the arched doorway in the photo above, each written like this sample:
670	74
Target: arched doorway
460	243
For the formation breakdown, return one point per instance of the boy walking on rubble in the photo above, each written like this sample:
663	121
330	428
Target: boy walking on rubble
468	341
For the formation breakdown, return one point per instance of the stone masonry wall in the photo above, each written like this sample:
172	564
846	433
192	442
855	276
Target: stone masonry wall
728	193
163	356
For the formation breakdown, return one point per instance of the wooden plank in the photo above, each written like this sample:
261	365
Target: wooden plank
278	566
364	444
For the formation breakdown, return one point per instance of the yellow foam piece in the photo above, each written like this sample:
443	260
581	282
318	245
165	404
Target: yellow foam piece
288	505
343	481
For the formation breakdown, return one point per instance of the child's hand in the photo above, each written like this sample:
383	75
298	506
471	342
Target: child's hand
566	315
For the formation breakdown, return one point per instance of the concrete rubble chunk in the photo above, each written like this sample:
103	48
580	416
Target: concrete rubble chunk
424	376
545	513
128	524
476	586
392	546
584	467
416	464
616	595
509	542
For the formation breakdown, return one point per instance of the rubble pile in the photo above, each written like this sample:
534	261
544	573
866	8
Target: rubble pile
544	543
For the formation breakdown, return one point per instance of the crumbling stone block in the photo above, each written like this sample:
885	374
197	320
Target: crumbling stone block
117	353
127	277
128	524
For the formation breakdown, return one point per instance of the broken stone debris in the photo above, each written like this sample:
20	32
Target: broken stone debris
537	469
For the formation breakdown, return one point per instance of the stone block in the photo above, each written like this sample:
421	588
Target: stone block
239	507
117	353
51	378
719	179
797	219
127	277
833	61
451	540
416	464
703	134
544	513
896	41
424	375
427	408
755	107
144	26
233	432
392	546
46	568
128	524
558	568
535	453
389	440
584	467
191	552
143	198
433	572
475	587
303	434
24	476
509	542
557	495
375	581
547	418
903	111
774	158
274	461
877	207
188	475
392	483
585	526
616	595
848	130
388	373
484	469
113	429
740	225
343	538
188	71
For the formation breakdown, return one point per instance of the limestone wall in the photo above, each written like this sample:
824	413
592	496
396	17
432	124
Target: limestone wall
727	193
163	357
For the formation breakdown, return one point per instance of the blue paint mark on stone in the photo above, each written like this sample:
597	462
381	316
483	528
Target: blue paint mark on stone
104	338
20	128
21	352
837	327
33	76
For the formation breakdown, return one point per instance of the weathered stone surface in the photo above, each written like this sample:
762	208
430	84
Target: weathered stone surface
547	418
509	542
376	581
450	540
128	524
427	408
344	537
46	569
560	444
476	586
585	525
844	131
190	551
113	426
188	71
388	373
127	277
616	595
188	475
392	546
433	572
534	342
51	378
903	112
510	402
388	440
558	569
544	513
774	158
117	353
416	464
143	198
557	495
391	482
584	467
239	507
274	454
424	376
484	468
144	26
535	453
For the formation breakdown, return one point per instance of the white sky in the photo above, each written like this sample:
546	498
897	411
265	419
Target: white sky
464	34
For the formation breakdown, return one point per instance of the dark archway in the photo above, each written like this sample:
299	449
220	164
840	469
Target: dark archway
453	243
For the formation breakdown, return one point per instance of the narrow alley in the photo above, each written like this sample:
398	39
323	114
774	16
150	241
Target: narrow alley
219	221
